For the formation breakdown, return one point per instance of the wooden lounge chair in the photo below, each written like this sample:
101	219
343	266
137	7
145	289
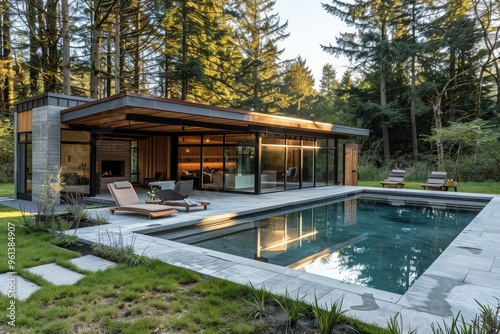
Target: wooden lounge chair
173	198
126	199
396	178
436	181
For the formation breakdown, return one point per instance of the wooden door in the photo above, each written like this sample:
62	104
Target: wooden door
350	164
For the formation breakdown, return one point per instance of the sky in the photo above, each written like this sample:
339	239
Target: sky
309	26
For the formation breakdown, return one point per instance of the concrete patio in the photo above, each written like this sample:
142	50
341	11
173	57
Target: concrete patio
468	270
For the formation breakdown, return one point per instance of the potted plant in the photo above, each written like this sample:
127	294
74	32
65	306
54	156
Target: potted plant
152	193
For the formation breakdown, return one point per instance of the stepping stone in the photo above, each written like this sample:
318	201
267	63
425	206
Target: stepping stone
92	263
22	288
56	274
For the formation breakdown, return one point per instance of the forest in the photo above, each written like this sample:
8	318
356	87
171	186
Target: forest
423	75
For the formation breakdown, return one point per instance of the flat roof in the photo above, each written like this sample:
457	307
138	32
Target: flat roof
50	99
144	114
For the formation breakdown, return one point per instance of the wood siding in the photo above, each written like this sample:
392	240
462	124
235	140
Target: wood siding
24	121
154	156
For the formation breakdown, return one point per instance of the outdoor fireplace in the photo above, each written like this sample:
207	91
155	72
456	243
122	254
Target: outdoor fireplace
112	168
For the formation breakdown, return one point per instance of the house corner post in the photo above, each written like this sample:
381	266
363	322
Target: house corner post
46	153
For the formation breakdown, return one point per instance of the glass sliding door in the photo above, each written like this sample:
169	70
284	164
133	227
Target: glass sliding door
273	168
239	163
308	167
189	165
292	177
213	157
75	161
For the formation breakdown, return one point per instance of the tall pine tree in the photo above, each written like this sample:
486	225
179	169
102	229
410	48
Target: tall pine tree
257	33
369	48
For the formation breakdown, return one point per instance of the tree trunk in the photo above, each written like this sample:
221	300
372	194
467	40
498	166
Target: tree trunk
184	75
95	65
34	61
137	52
383	103
436	108
66	48
117	55
7	95
413	102
109	66
52	76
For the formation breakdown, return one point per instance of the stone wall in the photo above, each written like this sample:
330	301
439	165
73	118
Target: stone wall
46	146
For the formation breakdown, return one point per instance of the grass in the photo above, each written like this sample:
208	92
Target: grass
6	189
121	299
470	187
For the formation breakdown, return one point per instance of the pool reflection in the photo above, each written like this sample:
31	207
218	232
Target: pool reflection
372	242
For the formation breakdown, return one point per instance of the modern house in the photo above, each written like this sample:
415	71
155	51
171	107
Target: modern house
132	137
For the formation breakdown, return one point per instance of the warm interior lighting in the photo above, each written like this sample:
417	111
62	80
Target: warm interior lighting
289	241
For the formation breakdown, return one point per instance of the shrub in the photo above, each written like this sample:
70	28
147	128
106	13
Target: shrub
45	210
76	204
100	217
118	250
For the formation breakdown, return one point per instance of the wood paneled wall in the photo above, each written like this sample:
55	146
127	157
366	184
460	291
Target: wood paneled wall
24	121
154	156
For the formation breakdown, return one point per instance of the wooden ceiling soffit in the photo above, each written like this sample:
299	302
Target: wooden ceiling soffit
175	121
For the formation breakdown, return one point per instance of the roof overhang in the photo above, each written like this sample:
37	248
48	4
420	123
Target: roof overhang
143	114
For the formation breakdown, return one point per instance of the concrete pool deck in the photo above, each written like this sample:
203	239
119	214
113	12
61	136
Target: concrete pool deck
468	270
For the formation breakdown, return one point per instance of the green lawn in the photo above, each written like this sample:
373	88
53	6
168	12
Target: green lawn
471	187
6	189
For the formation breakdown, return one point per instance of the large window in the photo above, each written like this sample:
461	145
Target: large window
75	161
134	162
218	161
229	162
25	163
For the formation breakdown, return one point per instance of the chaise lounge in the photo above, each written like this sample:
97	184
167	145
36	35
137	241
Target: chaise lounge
395	179
126	199
172	197
436	181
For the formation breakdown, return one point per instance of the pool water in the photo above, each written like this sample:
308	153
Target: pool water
374	242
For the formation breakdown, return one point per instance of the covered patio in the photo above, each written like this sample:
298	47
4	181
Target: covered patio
132	137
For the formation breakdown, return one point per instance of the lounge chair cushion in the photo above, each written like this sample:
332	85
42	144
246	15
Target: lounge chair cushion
395	179
435	181
125	195
122	185
145	207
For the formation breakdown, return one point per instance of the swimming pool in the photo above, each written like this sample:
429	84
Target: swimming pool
364	239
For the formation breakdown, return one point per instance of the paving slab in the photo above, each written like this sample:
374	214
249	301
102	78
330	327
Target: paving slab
13	283
56	274
92	263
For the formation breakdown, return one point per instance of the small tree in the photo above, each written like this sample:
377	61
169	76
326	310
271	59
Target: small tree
458	136
50	196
